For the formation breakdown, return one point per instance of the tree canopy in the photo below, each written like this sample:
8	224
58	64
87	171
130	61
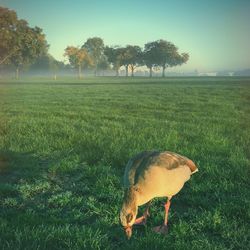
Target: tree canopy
95	48
115	57
133	57
78	57
166	53
162	53
20	44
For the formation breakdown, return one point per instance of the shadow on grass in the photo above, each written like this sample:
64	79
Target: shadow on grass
15	166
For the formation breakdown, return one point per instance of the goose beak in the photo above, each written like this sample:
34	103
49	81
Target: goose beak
128	231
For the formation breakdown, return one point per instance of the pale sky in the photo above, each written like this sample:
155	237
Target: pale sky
216	34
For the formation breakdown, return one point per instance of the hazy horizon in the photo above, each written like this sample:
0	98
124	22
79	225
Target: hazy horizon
215	34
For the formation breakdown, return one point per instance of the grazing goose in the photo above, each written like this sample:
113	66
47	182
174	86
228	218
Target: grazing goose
149	175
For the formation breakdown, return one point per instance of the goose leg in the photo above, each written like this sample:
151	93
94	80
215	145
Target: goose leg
164	228
143	219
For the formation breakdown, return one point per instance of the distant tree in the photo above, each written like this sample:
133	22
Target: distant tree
132	57
47	63
103	64
150	56
95	48
166	54
115	57
78	58
20	44
58	66
42	63
55	66
124	57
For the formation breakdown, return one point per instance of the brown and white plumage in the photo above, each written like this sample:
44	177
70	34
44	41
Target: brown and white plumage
149	175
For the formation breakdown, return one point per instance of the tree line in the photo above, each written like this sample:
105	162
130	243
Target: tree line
93	53
24	46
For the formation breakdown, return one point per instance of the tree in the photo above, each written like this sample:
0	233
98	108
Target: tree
103	64
78	58
95	48
167	55
20	44
166	51
115	57
132	57
47	63
54	66
150	56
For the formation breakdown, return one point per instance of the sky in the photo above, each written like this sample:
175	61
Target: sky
215	33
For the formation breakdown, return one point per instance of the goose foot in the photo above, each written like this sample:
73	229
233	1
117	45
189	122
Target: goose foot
141	221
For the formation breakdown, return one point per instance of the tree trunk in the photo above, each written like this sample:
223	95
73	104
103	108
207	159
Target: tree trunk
79	71
126	70
17	72
116	72
163	71
150	72
55	76
132	71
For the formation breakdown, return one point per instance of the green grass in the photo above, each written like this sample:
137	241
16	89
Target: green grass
64	146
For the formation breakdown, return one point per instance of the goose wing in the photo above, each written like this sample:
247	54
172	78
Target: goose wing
139	164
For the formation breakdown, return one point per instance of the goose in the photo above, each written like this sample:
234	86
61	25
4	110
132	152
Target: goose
149	175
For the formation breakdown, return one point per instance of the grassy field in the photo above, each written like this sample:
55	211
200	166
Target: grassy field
64	146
